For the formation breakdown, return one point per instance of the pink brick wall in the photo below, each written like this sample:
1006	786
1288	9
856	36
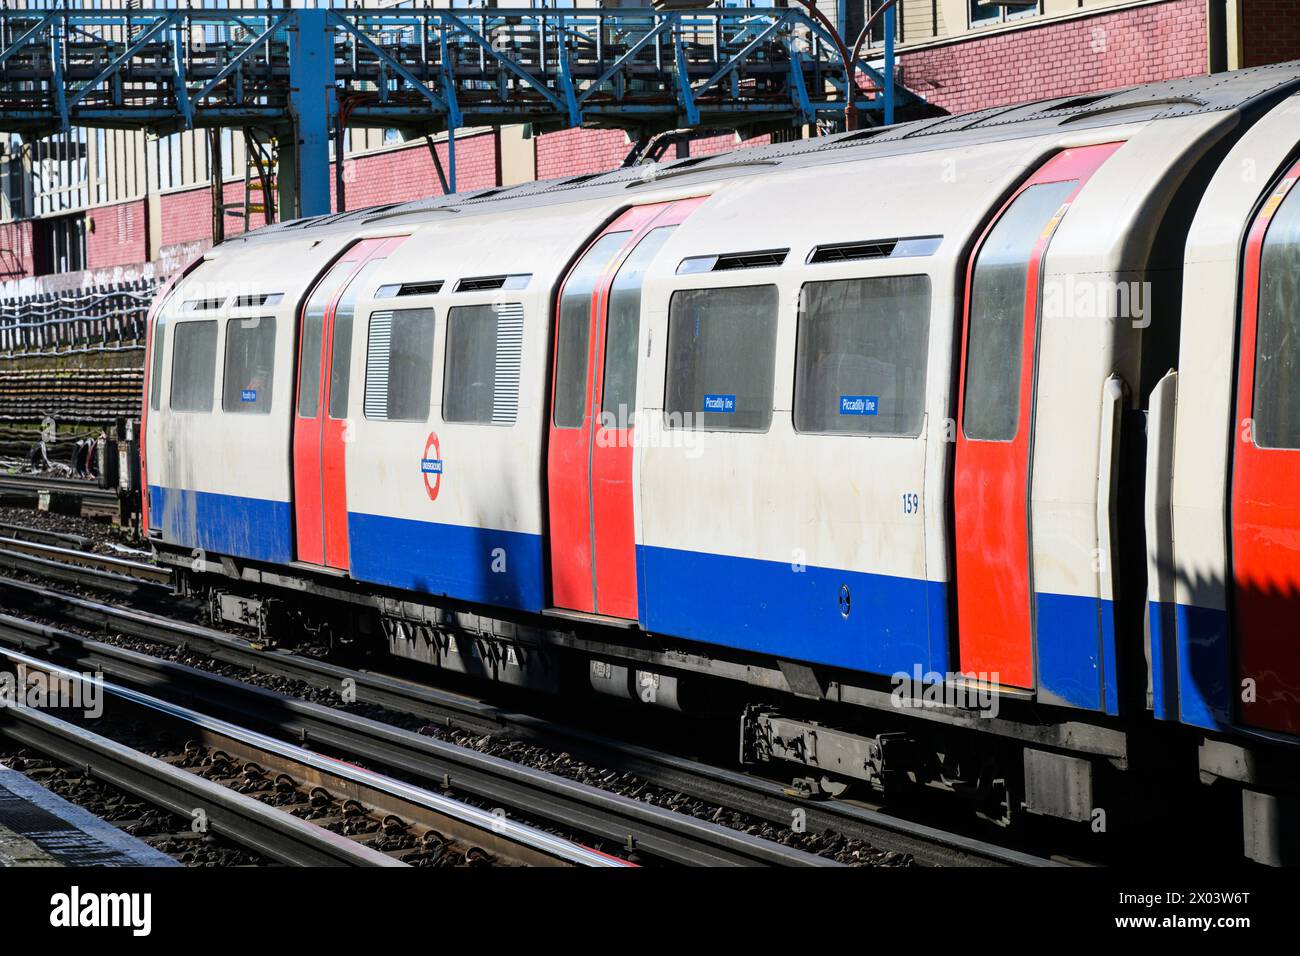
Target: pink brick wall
395	176
1270	31
15	250
186	216
120	235
1144	44
405	174
576	152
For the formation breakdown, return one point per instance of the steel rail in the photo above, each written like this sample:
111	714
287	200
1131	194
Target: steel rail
240	818
35	484
513	840
653	831
760	798
117	567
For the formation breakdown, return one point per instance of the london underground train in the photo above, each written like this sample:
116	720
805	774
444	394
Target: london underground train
917	446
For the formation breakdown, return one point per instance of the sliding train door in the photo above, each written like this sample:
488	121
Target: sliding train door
995	597
590	451
320	421
1265	519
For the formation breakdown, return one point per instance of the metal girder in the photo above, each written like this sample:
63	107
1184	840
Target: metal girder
31	34
616	67
423	71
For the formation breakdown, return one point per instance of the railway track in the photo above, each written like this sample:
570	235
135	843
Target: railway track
85	568
90	498
315	811
651	832
759	798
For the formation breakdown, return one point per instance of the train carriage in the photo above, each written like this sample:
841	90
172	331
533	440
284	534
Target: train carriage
1223	521
810	424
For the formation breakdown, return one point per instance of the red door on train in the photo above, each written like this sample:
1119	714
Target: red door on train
320	422
589	457
1266	465
995	598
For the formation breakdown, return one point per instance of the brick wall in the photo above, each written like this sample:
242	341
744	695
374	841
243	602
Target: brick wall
394	176
117	235
576	152
1144	44
1270	31
404	174
15	250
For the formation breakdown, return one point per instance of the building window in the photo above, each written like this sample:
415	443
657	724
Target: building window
985	12
877	37
194	365
484	353
399	365
721	358
250	365
861	356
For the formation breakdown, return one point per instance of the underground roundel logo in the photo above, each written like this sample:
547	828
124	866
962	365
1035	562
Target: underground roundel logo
431	466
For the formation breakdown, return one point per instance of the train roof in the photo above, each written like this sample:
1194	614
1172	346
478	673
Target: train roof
1242	91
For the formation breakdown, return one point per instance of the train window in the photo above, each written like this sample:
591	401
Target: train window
341	346
312	333
399	365
1277	336
484	354
194	365
574	335
623	330
156	368
861	356
996	330
250	365
721	358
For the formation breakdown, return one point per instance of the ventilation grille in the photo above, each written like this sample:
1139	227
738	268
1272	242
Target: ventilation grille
767	259
252	301
844	251
202	305
489	283
420	288
875	249
378	346
510	356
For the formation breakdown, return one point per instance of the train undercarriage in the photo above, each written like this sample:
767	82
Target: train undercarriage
1007	760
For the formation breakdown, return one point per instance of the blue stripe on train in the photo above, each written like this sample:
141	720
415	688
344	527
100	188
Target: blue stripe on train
1076	651
253	528
1191	664
894	624
473	564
